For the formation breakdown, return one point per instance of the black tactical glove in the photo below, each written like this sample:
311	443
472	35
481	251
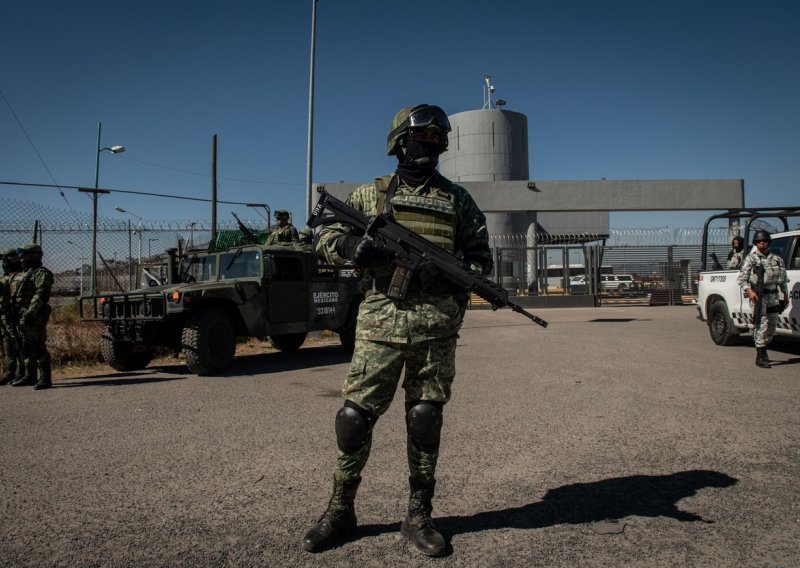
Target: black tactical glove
782	305
361	250
429	277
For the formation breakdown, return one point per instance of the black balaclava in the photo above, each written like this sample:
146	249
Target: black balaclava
31	261
738	245
11	266
417	160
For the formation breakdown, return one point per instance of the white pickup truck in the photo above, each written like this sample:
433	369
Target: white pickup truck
726	308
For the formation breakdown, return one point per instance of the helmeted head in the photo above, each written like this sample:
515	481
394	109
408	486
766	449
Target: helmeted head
418	119
11	261
306	236
761	235
282	214
30	255
737	243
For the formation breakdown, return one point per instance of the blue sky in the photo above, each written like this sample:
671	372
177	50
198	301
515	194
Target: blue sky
619	89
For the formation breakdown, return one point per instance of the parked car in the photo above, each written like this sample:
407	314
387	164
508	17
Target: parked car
617	282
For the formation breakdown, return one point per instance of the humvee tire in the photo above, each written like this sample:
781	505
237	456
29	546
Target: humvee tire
288	342
124	355
208	341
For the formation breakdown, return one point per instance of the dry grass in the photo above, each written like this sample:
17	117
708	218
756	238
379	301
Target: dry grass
74	345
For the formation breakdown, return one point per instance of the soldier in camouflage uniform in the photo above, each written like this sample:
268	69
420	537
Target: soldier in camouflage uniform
417	333
284	233
736	255
776	294
30	293
306	239
14	365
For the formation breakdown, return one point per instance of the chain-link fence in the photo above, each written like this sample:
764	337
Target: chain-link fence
124	247
660	257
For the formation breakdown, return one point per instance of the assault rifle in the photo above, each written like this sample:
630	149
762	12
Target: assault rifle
759	295
717	264
249	235
411	252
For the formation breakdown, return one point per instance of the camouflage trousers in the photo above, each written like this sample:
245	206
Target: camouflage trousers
14	366
34	342
765	331
372	382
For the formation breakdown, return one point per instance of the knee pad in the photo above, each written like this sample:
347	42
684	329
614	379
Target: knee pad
424	422
353	427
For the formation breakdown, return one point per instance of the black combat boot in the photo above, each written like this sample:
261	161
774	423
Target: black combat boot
44	378
27	379
417	526
338	520
762	360
11	372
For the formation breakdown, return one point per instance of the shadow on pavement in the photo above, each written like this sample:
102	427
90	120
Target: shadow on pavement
581	503
121	381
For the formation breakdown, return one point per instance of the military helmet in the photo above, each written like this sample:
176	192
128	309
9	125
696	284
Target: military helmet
761	235
10	254
30	248
306	235
420	116
281	214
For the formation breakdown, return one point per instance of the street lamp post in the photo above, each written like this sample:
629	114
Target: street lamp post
138	231
95	193
265	207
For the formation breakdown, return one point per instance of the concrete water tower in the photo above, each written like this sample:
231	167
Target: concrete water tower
490	145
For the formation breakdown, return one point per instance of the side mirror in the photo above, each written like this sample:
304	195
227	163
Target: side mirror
270	266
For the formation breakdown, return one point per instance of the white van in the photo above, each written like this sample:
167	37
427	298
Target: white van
619	282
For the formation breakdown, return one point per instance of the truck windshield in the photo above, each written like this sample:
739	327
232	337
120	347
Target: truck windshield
198	268
240	264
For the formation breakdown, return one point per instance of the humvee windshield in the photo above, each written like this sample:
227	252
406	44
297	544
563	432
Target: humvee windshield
198	268
240	264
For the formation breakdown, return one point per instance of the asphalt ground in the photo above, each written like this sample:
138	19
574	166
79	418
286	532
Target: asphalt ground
615	437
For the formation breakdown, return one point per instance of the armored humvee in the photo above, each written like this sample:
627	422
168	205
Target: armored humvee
214	296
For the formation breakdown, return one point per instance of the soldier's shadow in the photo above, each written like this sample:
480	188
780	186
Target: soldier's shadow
581	503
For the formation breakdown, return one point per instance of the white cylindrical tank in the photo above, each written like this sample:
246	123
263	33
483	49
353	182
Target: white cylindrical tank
486	145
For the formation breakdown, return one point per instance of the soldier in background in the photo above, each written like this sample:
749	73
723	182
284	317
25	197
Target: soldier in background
284	233
417	332
30	294
776	294
306	239
14	365
736	255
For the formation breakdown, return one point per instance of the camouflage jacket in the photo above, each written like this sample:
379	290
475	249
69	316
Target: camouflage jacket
30	292
280	235
420	315
736	260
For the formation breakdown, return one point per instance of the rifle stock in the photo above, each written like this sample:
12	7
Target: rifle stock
410	252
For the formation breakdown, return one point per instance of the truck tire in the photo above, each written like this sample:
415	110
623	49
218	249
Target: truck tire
124	355
208	342
347	333
288	342
720	324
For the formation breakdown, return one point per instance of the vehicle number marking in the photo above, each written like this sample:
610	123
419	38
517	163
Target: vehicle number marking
719	278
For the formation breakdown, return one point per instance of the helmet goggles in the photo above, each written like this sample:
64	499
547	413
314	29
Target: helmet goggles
428	116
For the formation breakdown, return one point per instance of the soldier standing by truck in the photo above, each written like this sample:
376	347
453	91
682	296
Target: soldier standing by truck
417	332
285	233
763	278
30	294
14	365
736	255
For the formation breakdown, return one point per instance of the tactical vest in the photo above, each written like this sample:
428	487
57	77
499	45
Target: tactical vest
432	216
774	271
